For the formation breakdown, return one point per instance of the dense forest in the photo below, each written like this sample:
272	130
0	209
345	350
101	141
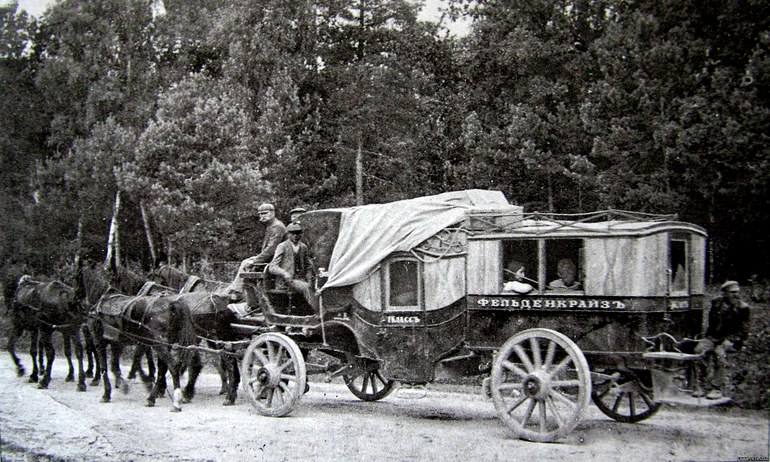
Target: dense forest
174	119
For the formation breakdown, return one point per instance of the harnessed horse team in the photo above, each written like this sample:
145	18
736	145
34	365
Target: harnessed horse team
169	315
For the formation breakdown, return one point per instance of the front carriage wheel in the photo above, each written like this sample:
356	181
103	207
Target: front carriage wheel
367	383
540	384
274	374
626	398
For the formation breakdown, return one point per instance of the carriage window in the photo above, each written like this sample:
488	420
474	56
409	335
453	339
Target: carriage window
564	264
678	265
520	266
403	284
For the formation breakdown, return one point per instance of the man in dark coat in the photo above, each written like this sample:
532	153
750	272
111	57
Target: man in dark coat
728	327
275	231
293	265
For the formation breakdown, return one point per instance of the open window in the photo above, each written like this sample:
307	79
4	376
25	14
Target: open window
542	265
564	265
679	269
404	285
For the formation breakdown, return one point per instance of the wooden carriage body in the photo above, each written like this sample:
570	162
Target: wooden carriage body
444	302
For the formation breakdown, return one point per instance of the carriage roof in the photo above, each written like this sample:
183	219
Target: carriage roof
351	242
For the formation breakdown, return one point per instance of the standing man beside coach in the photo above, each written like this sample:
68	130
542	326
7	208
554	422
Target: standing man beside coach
728	327
275	232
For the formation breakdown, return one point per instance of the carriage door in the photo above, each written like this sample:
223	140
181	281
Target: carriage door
401	345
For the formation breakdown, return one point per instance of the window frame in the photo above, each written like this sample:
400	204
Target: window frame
387	306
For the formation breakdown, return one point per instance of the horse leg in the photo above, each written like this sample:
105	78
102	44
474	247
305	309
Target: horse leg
90	352
77	339
136	364
223	375
194	370
117	351
160	382
230	364
34	343
47	340
40	353
102	347
176	398
68	354
150	364
11	346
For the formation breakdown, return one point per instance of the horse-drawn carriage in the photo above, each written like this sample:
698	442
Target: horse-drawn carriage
416	288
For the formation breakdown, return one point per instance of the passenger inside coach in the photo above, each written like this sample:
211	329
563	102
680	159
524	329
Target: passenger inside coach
566	271
515	270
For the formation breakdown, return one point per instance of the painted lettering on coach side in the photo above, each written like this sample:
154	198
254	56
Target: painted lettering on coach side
394	319
534	303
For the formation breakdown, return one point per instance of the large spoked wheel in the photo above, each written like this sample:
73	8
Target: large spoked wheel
274	374
367	383
626	398
540	384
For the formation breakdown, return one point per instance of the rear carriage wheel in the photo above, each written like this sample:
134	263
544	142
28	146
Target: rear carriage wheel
540	384
367	383
627	398
274	374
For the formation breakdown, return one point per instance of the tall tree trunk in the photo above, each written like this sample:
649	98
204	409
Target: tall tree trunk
148	233
359	172
112	247
79	242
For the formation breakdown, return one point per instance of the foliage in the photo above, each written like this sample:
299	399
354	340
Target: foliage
751	371
204	108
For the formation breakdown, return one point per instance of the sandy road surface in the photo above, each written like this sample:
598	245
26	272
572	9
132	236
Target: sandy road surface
331	424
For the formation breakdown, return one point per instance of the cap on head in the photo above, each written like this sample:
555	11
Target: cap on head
266	208
729	285
297	210
294	228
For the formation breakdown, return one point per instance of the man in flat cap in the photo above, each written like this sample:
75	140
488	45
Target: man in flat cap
728	327
296	213
275	231
293	265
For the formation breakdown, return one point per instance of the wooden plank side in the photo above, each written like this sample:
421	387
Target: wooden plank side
697	264
626	267
484	267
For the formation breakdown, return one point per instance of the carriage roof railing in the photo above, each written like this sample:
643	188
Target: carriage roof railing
600	222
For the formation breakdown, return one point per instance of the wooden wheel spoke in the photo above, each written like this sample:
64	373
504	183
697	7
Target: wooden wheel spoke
284	387
572	383
555	412
617	403
270	394
631	404
261	356
562	364
543	422
283	366
549	355
374	383
646	399
524	358
288	378
518	403
515	369
528	412
535	345
563	399
511	386
365	385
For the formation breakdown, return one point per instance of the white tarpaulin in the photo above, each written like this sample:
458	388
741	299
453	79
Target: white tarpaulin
369	233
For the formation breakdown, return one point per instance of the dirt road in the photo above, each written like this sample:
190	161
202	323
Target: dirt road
331	424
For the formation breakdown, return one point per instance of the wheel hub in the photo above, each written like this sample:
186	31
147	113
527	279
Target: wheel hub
268	376
535	386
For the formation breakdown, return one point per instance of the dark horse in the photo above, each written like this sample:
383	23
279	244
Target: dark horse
93	283
213	323
157	321
54	307
23	320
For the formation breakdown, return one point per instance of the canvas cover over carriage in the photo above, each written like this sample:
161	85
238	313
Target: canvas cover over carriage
464	283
